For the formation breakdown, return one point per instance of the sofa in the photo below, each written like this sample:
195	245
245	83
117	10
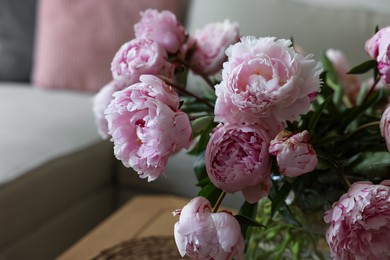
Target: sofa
58	178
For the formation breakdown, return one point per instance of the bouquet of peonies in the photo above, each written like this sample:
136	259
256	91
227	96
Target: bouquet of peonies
296	137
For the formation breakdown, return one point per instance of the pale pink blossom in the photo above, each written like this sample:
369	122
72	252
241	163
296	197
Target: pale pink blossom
360	223
227	111
211	44
294	153
350	82
103	98
137	57
146	126
265	77
378	47
385	126
237	159
162	27
201	234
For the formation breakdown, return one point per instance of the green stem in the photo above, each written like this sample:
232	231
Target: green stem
219	201
283	246
375	123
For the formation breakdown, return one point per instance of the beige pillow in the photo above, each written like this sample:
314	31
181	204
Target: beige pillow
76	40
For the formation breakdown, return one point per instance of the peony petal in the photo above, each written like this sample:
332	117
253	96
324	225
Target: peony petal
181	241
253	194
228	230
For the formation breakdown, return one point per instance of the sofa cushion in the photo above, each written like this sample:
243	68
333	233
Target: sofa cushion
38	126
17	24
51	157
76	40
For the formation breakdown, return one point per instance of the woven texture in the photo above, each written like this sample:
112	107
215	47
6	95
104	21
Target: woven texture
161	248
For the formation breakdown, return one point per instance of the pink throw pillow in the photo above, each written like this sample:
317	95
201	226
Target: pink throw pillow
77	40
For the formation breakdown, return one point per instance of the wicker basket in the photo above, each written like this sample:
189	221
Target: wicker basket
161	247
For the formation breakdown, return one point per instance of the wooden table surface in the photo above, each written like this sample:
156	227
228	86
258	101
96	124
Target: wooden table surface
142	216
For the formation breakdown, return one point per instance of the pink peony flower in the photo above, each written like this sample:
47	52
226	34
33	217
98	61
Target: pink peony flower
266	78
137	57
226	111
385	126
294	153
103	98
384	68
204	235
360	223
211	44
339	61
237	159
350	83
378	47
162	27
146	126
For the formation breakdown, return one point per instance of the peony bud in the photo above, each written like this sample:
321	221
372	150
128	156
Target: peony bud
137	57
378	47
162	27
350	83
204	235
385	126
294	153
211	44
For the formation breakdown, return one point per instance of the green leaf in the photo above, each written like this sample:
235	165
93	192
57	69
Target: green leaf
363	67
328	66
202	183
286	213
209	93
204	138
338	92
191	105
249	210
296	249
279	196
249	222
351	114
313	120
211	193
201	124
325	89
201	144
362	94
370	161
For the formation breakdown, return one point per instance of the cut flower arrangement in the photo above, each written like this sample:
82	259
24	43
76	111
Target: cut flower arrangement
298	138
